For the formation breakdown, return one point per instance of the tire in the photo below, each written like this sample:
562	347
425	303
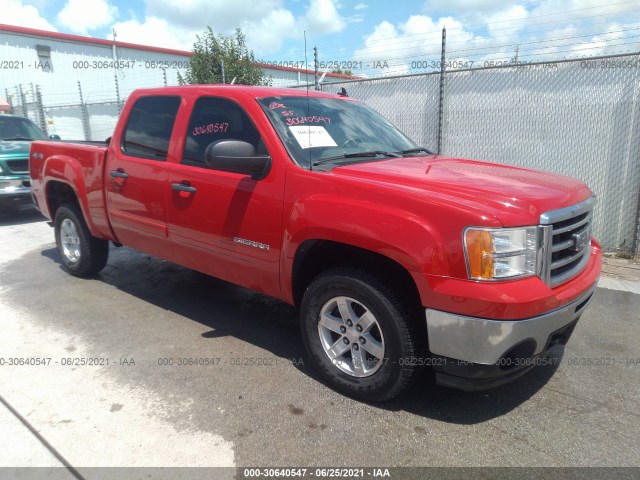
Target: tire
82	254
378	362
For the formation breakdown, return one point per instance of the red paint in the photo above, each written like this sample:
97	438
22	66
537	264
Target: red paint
412	210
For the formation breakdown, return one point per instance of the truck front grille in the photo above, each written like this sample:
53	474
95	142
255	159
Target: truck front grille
567	242
18	166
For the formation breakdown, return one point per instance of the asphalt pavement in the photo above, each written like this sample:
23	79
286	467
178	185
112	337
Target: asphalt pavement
153	365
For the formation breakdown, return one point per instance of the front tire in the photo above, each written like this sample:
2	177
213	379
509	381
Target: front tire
81	253
360	336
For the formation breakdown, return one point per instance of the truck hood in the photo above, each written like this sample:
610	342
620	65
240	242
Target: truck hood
14	149
515	196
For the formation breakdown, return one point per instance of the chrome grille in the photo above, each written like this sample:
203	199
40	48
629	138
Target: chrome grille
567	240
18	166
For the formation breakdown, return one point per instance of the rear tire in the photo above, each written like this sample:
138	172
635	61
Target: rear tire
82	254
360	336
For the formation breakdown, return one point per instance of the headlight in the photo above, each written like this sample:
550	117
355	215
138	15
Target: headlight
495	254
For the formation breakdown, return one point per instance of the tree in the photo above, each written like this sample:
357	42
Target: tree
342	72
220	59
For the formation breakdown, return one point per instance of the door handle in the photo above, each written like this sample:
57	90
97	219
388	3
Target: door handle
119	174
182	187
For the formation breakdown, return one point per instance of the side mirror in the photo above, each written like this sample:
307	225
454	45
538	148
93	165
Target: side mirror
54	137
236	156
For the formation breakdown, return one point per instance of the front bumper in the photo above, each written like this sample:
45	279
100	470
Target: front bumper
478	353
15	191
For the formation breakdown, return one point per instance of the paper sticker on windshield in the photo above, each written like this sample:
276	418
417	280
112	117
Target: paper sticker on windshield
312	136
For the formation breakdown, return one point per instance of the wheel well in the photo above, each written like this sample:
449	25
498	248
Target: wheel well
58	194
315	256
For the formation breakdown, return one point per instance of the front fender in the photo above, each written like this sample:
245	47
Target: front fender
410	240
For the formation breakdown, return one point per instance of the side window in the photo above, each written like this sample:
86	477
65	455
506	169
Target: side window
149	127
215	119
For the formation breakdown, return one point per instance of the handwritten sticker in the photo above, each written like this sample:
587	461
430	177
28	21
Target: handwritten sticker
275	105
312	136
210	128
310	119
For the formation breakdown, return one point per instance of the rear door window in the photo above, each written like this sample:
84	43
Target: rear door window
148	130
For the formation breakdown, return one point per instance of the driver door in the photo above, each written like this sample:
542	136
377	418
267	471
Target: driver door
225	224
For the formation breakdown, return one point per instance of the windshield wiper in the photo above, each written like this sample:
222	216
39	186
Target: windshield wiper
417	150
372	153
16	138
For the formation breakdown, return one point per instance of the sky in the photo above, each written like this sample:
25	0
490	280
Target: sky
373	38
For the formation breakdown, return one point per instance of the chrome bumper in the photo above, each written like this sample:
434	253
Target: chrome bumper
14	188
484	341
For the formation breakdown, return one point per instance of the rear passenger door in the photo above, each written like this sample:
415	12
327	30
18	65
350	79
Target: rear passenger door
137	182
226	224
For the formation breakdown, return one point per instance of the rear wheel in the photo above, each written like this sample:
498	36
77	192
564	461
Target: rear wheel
81	253
361	337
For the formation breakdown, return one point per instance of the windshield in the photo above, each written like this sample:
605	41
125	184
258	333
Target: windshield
17	128
315	129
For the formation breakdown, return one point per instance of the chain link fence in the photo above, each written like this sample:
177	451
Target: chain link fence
84	110
577	117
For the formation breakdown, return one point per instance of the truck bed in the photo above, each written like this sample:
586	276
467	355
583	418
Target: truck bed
52	160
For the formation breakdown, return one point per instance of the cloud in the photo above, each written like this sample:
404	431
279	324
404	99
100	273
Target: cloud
550	30
570	10
603	44
176	24
16	13
358	13
263	37
463	7
269	34
82	16
419	38
222	16
322	17
267	24
515	18
155	32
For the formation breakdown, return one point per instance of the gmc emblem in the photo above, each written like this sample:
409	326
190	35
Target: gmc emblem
580	240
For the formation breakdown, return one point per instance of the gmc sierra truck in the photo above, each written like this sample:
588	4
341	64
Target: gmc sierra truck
398	259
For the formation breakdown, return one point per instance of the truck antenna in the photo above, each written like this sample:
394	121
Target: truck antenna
306	69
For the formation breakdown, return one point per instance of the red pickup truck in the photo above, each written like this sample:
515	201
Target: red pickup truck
398	259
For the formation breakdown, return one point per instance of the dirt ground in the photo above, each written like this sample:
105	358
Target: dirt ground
621	268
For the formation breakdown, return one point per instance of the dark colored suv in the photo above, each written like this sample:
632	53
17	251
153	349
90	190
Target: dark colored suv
16	134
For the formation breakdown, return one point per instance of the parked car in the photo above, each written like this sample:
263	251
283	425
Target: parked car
16	135
398	259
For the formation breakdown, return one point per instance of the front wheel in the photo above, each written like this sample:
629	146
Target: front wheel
360	336
81	253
